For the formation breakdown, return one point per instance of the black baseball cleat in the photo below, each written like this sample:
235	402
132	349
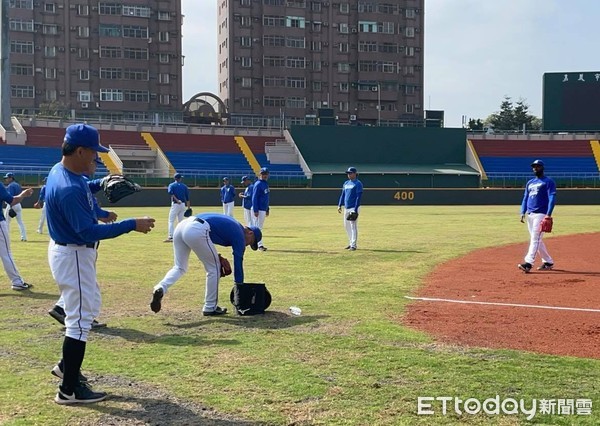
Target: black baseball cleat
81	395
57	371
525	267
218	311
157	296
262	248
347	247
97	324
58	314
546	266
22	287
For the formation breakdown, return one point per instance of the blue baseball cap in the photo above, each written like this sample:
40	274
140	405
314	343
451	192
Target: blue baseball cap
264	171
226	178
351	170
178	176
9	174
84	135
257	237
537	163
245	178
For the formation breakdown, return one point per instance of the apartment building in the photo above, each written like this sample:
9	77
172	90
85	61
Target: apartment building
362	58
114	59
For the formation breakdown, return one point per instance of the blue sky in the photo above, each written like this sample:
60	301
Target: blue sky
476	51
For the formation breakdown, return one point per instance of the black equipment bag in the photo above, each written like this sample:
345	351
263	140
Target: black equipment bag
250	298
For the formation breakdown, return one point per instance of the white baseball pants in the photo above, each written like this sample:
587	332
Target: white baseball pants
40	228
19	211
228	209
6	256
193	235
248	217
175	215
351	227
259	222
535	243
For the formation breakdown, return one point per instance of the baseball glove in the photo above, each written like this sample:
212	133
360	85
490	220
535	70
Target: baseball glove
546	225
225	266
188	212
12	213
352	216
116	187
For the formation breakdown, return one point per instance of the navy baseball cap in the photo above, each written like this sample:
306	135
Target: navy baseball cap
178	176
84	135
9	174
257	237
537	163
351	170
226	178
264	171
245	178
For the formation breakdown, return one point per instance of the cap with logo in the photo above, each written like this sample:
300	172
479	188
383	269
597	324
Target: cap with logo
257	237
537	163
245	178
351	170
85	136
226	179
264	171
178	176
9	174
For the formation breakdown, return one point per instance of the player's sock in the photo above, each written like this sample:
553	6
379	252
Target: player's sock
73	353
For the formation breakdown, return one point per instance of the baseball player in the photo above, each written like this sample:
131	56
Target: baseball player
180	201
200	233
246	197
13	189
5	253
350	198
538	203
39	204
75	232
227	197
260	202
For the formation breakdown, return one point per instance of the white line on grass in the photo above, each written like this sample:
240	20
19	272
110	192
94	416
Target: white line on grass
519	305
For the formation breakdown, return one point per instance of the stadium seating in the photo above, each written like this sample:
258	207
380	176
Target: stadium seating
32	159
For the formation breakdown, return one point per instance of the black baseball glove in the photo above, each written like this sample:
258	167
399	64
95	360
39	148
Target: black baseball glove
352	216
12	213
116	187
188	212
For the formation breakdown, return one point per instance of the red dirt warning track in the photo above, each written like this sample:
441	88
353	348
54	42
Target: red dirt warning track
491	275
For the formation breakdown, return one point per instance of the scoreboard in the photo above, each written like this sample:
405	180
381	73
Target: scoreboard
571	101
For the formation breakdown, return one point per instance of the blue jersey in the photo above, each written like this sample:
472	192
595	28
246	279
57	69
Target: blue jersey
4	197
95	186
539	196
14	188
179	190
351	194
247	198
228	232
70	210
42	195
260	196
227	194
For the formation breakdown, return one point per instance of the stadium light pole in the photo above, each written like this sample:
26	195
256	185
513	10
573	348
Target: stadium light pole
378	104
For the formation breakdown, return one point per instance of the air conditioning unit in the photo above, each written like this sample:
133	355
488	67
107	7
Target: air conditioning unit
237	59
374	88
256	101
73	50
62	93
61	49
85	105
353	117
326	4
354	30
335	103
73	28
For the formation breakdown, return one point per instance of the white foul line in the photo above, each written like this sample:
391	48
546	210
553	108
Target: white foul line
519	305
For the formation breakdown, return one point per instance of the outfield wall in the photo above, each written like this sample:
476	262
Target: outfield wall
156	197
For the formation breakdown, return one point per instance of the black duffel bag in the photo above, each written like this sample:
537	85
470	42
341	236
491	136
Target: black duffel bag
250	298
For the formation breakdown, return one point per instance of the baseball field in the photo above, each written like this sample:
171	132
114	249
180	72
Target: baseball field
360	353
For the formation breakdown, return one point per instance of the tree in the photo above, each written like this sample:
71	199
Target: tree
512	117
475	125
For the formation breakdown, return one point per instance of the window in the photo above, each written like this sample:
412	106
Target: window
164	58
164	78
274	61
386	27
21	69
389	48
246	62
344	8
296	3
49	29
343	67
316	45
135	31
367	66
109	8
19	25
110	52
50	73
343	28
296	103
246	82
22	91
246	41
163	36
111	95
25	47
83	53
389	67
50	51
84	74
409	51
317	65
344	47
21	4
136	95
165	99
317	86
111	73
344	106
409	31
409	90
295	22
84	96
409	70
49	8
296	82
246	102
410	13
344	87
315	6
295	62
139	11
136	74
245	2
388	9
409	108
274	21
274	81
367	26
137	53
295	42
367	46
273	101
274	41
83	32
109	30
273	2
50	95
83	10
246	21
316	26
164	16
364	6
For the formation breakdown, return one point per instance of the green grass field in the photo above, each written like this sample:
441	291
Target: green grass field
347	360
